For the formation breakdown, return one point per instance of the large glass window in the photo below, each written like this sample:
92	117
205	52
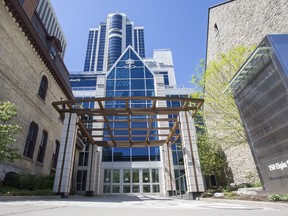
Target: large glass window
55	154
81	180
177	153
107	154
116	176
42	147
83	156
135	175
31	140
107	176
129	78
121	154
140	154
155	176
154	153
43	88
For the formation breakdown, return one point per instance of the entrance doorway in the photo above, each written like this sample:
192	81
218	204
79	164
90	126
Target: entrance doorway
131	181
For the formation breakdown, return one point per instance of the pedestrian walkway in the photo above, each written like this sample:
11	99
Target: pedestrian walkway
140	205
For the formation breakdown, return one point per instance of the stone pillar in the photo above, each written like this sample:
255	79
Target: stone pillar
194	179
92	170
166	153
95	165
64	170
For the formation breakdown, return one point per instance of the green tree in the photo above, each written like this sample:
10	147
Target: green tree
223	127
8	131
212	160
221	115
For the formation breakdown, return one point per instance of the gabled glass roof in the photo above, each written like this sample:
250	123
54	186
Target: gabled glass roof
129	60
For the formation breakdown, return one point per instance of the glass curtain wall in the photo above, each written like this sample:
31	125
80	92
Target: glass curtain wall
130	77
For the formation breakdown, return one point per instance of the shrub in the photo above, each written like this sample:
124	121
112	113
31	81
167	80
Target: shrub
29	182
278	197
253	184
274	197
230	195
206	194
9	191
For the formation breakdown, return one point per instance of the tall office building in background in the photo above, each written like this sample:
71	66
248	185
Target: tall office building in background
107	42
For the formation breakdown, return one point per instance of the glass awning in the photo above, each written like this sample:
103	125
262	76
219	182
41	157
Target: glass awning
258	59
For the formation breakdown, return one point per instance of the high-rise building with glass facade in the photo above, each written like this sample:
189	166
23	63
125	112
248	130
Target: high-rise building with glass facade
49	19
115	67
107	42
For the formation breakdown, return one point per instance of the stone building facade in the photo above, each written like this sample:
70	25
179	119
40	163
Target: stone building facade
243	22
28	55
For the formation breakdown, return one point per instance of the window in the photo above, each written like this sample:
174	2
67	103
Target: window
53	53
42	147
81	180
55	154
43	87
21	2
31	140
83	156
216	29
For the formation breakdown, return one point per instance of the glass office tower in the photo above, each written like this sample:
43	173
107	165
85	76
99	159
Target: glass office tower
115	67
107	42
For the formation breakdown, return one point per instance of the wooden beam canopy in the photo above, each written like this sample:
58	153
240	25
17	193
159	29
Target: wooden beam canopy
127	135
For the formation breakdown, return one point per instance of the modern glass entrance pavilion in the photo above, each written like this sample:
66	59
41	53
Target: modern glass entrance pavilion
75	125
131	128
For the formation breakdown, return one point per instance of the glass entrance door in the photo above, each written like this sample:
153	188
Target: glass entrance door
135	181
126	181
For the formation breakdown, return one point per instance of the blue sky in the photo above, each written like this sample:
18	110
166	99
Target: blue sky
179	25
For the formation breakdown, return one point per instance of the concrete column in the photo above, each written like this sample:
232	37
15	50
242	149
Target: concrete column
166	153
92	170
64	170
193	173
97	151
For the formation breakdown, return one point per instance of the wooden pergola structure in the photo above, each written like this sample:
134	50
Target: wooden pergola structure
153	114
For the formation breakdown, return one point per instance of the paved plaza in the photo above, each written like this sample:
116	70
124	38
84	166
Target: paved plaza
138	206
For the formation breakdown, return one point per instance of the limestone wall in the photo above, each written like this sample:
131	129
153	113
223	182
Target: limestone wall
243	22
20	74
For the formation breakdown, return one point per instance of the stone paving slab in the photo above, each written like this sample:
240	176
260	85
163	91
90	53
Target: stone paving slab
139	205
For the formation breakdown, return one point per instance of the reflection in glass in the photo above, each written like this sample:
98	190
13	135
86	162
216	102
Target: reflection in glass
135	175
155	175
121	154
140	154
135	189
107	176
106	189
126	189
116	175
126	175
156	189
146	188
154	153
107	154
115	189
146	175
